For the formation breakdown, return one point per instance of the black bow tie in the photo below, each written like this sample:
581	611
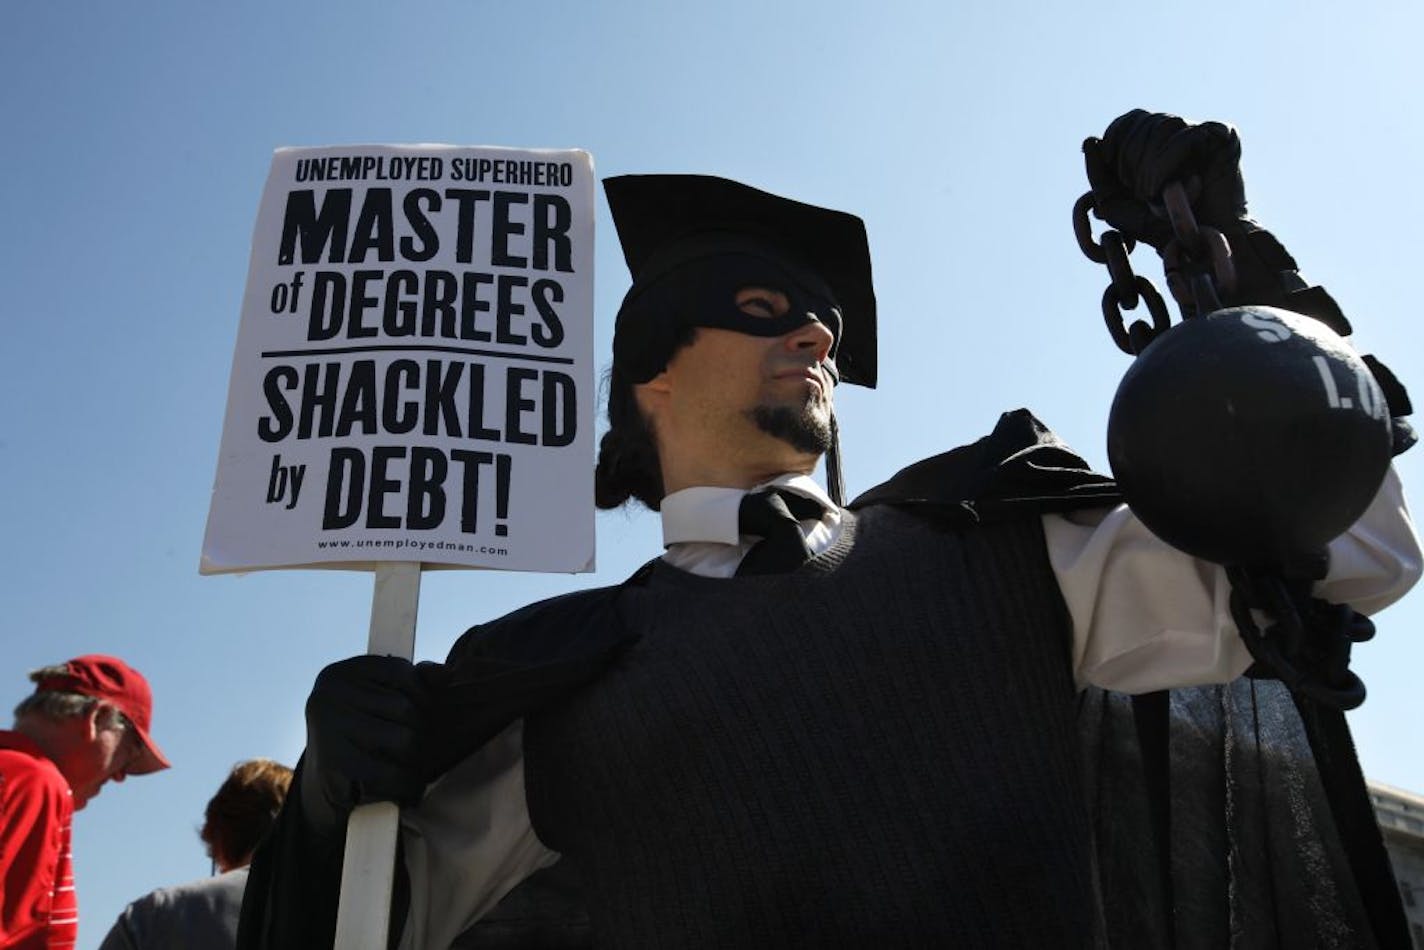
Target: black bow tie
772	515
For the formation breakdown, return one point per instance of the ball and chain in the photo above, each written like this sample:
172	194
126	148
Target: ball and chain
1301	640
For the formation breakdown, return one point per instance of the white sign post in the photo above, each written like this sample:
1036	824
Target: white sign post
368	866
412	386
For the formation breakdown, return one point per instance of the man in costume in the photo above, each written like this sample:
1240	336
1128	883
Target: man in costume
805	724
85	725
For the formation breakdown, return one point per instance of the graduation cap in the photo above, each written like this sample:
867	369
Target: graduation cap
667	221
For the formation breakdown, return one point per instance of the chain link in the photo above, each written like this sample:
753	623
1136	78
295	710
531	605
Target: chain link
1196	287
1307	643
1083	231
1127	289
1124	281
1134	339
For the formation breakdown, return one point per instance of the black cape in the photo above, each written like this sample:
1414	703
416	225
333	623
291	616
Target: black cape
1223	815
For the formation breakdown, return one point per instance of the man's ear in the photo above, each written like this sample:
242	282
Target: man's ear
652	400
658	384
91	720
652	396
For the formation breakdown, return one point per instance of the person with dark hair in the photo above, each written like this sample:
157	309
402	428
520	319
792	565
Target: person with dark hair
807	723
86	724
202	915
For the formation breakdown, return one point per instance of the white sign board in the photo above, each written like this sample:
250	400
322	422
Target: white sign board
413	373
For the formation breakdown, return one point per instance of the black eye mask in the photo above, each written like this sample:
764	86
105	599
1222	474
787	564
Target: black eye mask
657	314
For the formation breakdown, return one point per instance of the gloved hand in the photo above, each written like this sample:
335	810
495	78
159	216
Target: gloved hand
1143	151
370	722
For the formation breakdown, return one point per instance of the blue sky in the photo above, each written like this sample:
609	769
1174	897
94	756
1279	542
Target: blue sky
139	135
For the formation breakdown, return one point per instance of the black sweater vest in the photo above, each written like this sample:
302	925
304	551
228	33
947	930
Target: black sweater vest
877	748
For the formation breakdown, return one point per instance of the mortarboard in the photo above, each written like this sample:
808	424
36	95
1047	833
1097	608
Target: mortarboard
664	221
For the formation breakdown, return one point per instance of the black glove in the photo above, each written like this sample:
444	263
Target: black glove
1143	151
370	723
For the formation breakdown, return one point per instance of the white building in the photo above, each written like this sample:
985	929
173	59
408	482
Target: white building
1401	819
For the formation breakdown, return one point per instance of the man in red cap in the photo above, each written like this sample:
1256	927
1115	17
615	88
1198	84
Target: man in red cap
85	724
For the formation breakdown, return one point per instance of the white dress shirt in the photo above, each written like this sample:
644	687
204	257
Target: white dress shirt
1144	617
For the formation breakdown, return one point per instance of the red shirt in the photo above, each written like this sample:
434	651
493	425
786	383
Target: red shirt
38	910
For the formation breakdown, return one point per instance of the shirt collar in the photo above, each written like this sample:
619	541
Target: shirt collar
21	743
709	514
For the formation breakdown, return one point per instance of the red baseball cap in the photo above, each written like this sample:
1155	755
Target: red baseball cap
113	681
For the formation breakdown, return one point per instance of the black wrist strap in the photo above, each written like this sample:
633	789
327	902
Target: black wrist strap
1267	275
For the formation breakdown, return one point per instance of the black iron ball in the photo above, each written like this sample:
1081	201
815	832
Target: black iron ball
1249	436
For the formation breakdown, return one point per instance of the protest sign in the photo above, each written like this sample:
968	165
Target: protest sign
411	387
413	372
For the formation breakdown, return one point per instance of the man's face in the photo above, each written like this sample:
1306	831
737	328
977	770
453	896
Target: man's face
765	401
802	416
101	750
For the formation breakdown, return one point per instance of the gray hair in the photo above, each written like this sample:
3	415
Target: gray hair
57	705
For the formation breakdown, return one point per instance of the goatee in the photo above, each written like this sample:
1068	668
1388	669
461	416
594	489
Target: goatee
804	428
